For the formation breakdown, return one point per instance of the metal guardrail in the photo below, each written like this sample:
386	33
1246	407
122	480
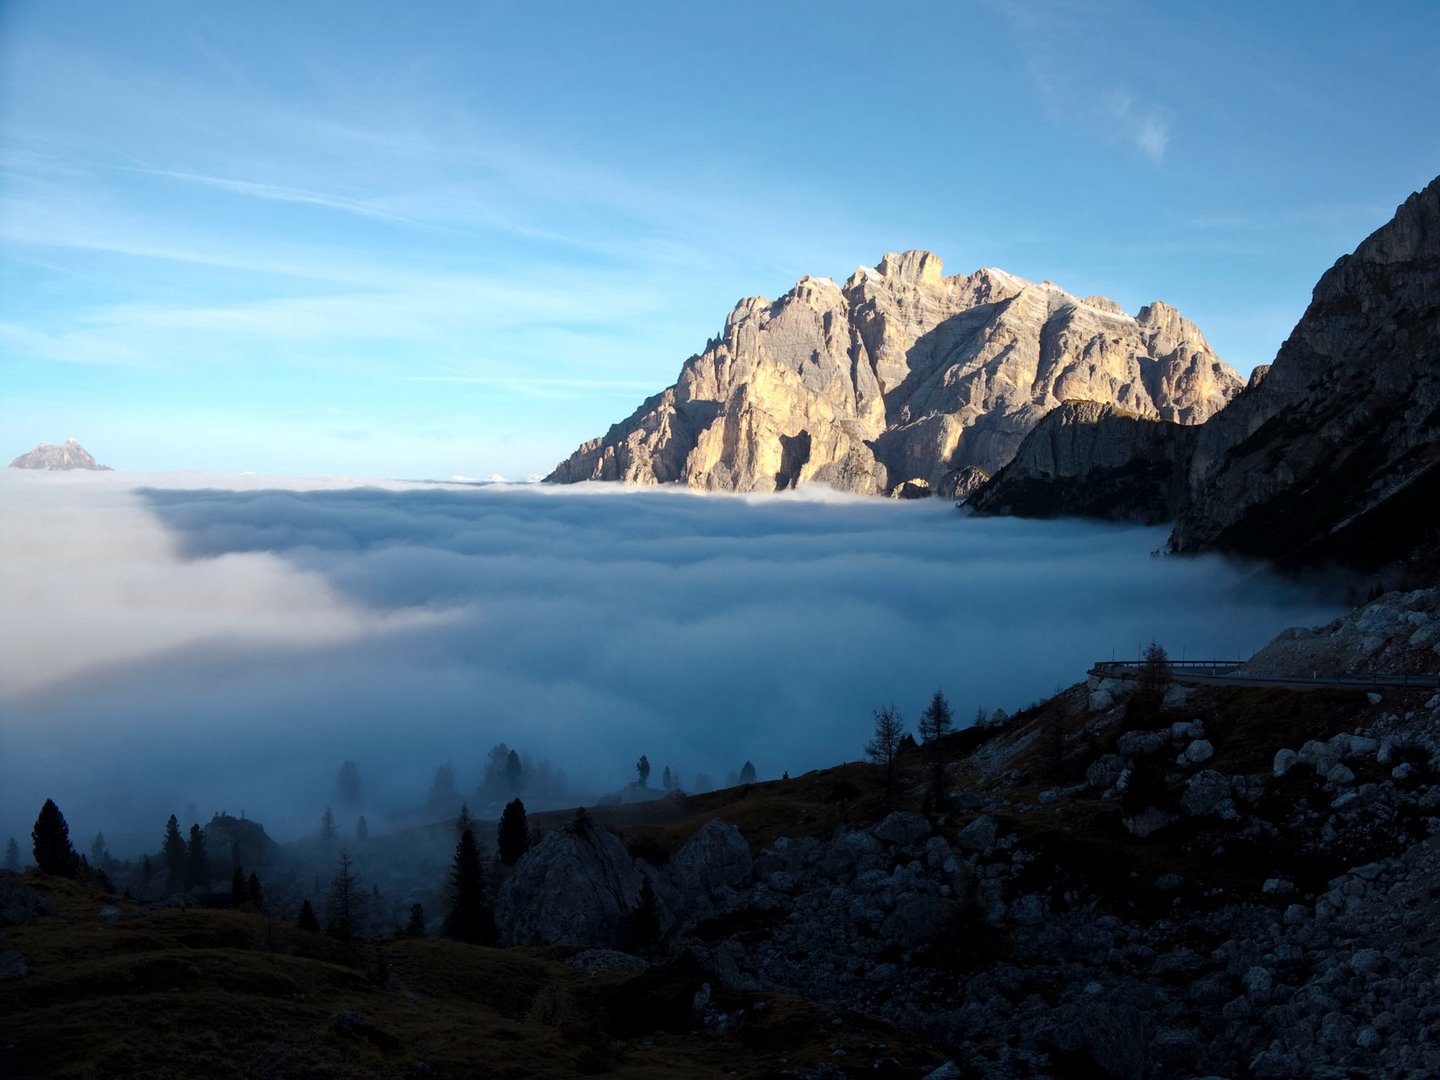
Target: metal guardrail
1219	672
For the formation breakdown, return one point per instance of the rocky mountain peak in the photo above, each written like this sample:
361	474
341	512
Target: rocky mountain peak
912	268
901	376
68	455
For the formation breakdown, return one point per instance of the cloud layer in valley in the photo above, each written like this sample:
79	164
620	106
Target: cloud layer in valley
229	646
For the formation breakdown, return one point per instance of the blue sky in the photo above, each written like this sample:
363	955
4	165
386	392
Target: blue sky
458	238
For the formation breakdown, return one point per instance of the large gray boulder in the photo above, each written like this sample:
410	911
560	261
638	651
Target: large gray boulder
571	890
715	858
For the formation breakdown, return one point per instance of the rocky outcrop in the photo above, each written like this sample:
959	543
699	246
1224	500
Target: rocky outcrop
900	376
1335	453
571	890
1090	459
69	455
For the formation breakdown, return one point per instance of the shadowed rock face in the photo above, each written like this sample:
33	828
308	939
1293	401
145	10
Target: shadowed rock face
1335	454
900	375
1092	460
69	455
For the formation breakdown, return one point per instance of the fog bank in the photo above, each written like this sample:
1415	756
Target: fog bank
168	640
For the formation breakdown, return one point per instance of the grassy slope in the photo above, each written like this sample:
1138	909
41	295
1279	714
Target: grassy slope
225	994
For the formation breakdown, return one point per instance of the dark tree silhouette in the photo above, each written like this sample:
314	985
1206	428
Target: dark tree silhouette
642	768
1151	683
347	786
51	838
306	919
12	856
328	832
197	866
441	799
513	772
416	926
935	723
640	930
747	773
468	918
667	779
513	836
98	851
463	820
345	906
884	745
237	888
362	829
173	852
254	895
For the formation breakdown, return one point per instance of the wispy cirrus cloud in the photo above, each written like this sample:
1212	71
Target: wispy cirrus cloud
1071	53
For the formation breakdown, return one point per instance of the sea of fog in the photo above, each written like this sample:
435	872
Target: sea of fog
186	644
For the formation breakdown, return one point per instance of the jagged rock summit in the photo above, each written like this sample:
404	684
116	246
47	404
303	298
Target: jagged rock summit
69	455
901	378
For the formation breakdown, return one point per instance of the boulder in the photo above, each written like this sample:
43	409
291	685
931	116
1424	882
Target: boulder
902	830
717	856
979	836
1204	792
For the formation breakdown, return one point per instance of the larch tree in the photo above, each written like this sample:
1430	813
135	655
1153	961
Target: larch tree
884	745
345	906
935	723
50	836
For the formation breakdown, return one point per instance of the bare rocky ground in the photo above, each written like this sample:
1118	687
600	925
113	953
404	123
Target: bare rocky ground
1238	883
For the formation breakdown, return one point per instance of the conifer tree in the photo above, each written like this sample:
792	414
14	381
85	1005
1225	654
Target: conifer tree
197	866
255	895
416	925
512	772
98	851
345	906
347	785
747	773
463	820
513	838
306	919
642	925
328	832
468	919
173	852
237	889
362	829
12	856
935	723
642	768
667	779
884	744
51	839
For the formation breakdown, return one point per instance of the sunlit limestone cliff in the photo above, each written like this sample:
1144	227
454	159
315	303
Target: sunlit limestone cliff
901	376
